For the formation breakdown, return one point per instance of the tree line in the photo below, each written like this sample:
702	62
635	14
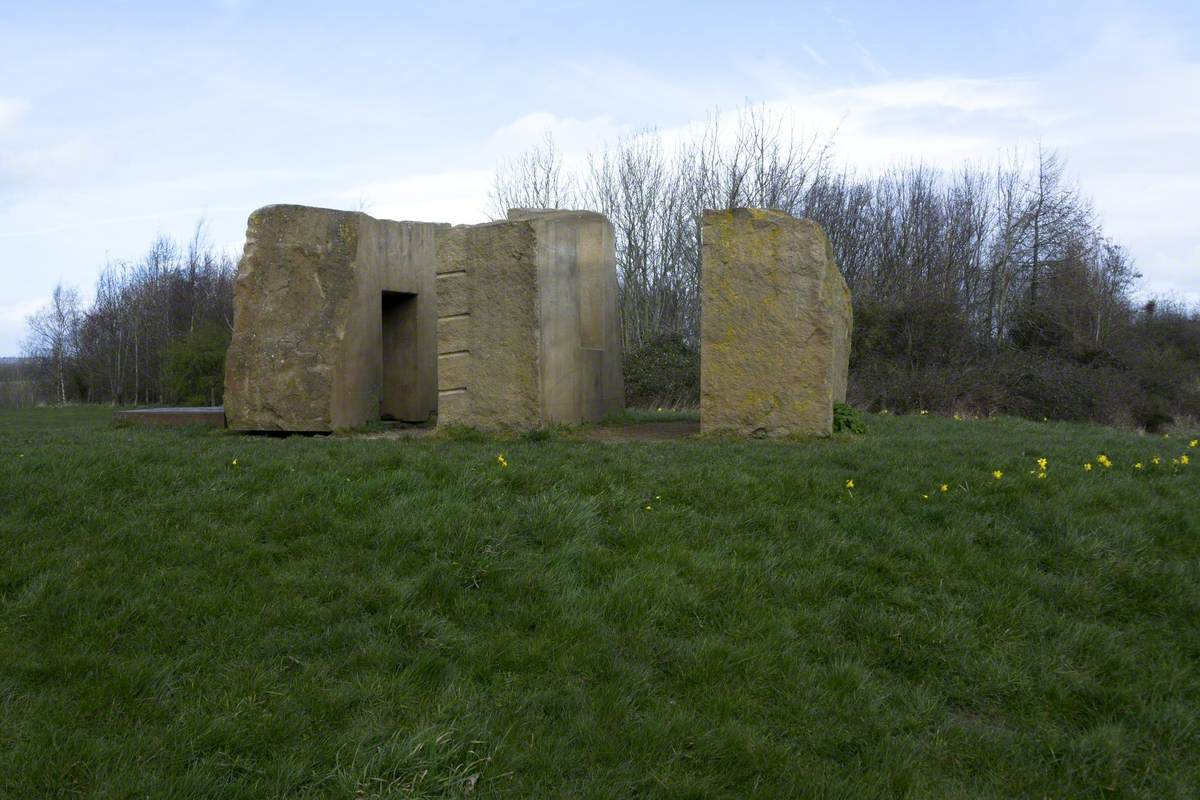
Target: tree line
155	332
989	288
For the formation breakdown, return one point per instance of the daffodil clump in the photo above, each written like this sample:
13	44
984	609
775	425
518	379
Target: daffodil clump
1042	469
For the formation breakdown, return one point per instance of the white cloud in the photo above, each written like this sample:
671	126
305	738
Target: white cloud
462	196
12	323
51	162
574	138
941	121
457	197
17	312
817	58
11	110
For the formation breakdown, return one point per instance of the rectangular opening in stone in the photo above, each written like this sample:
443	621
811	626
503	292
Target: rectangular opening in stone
399	398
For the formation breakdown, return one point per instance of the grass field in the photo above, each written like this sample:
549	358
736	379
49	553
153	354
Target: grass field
195	614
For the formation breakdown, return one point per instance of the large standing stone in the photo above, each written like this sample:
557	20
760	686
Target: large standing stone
528	330
775	325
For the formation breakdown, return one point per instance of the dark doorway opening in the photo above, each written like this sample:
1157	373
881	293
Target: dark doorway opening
399	398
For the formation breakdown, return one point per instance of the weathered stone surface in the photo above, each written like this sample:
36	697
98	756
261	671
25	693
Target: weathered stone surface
491	382
341	319
775	325
308	345
528	327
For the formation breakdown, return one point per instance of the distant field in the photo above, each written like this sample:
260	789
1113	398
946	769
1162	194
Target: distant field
198	614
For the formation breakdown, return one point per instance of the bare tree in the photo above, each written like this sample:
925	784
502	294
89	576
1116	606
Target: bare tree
942	265
534	180
120	348
52	342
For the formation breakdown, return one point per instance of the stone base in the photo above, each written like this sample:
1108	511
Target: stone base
211	416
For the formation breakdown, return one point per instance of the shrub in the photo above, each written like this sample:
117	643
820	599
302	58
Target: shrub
663	373
194	369
846	419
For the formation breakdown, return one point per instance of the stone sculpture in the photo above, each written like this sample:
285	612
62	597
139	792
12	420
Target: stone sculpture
341	319
775	325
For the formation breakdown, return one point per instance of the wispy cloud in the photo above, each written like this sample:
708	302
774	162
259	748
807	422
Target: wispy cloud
51	162
17	312
457	197
11	110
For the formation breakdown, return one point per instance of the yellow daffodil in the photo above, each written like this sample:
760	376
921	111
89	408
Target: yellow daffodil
924	497
997	474
1184	460
850	484
1139	465
1194	443
1041	462
647	508
944	488
501	460
1156	461
1087	467
1041	476
1103	461
234	462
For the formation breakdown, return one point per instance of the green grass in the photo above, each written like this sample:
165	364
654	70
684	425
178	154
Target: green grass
632	416
338	617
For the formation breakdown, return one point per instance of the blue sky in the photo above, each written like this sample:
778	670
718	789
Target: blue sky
121	120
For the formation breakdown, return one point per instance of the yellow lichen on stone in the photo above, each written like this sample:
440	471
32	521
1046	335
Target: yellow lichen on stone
775	325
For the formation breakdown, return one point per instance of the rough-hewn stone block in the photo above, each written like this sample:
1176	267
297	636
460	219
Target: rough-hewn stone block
495	277
775	325
454	333
453	289
308	344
